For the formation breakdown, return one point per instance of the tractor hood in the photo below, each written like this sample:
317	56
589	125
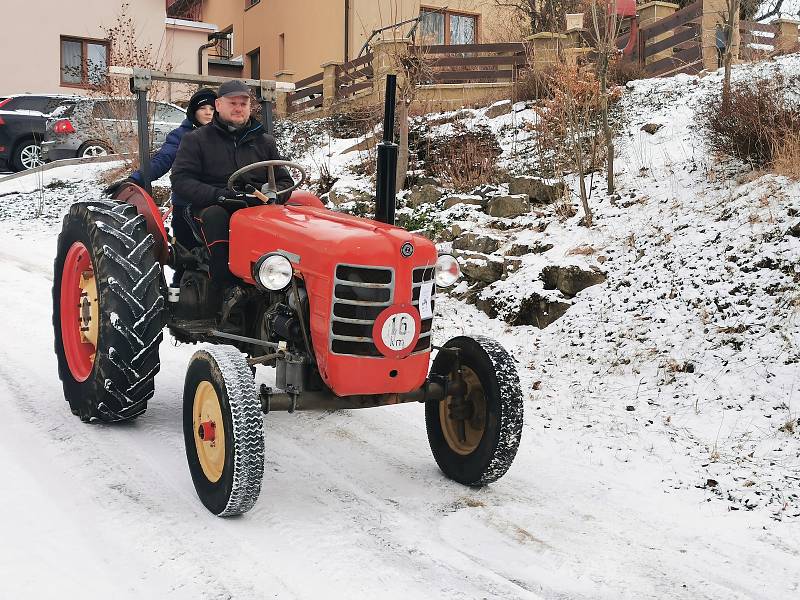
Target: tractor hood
356	272
316	239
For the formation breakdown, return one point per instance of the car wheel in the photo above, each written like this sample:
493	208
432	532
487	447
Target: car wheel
27	155
90	149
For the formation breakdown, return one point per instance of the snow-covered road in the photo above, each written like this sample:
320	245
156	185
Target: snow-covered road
352	506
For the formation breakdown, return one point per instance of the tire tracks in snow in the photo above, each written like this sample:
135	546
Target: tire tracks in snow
129	490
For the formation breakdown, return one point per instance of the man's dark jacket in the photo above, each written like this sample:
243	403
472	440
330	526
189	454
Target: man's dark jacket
209	155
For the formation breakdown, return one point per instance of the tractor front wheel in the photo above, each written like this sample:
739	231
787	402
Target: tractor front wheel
107	307
474	437
223	430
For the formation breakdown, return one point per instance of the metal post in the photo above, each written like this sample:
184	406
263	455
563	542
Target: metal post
267	118
387	159
140	84
267	97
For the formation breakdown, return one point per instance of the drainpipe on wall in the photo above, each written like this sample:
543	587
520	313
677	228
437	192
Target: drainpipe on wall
200	55
212	41
346	30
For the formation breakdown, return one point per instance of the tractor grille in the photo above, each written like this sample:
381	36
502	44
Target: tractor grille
360	294
420	276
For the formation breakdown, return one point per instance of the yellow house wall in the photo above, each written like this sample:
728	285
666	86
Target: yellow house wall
314	29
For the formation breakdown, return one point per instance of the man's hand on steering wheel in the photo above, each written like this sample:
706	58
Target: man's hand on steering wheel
269	192
236	200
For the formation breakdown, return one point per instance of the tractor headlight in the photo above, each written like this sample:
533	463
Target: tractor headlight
273	271
447	270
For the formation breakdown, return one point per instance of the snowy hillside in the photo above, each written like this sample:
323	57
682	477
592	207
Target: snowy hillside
661	450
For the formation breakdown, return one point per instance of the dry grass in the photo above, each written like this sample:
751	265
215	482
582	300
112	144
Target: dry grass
564	209
786	160
582	250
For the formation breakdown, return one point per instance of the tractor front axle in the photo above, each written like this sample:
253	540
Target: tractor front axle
282	401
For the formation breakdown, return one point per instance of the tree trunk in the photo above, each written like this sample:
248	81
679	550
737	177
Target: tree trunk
731	21
606	128
402	155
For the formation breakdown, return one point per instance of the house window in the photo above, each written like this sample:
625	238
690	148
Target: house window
282	52
255	63
84	62
249	3
440	26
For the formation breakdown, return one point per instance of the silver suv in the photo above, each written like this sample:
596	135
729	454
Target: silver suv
100	126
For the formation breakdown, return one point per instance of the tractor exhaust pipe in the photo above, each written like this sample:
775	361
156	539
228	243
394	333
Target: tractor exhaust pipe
387	158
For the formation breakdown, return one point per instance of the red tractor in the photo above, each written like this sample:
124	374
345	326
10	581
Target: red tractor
340	306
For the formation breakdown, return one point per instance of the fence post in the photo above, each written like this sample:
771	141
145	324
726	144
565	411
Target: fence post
714	12
787	37
547	48
282	98
329	83
386	56
650	13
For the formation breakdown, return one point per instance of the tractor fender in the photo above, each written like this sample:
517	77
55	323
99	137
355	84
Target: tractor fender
130	193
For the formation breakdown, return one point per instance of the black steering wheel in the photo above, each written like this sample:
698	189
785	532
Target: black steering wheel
270	190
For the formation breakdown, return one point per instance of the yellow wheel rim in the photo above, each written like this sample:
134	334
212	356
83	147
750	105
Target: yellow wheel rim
88	309
209	431
464	436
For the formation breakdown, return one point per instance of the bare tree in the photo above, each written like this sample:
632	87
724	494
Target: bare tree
759	11
569	131
543	15
606	28
730	22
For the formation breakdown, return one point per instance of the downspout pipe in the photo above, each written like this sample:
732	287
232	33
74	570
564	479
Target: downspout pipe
346	30
200	55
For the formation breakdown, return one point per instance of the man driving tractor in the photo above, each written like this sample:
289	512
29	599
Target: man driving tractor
207	157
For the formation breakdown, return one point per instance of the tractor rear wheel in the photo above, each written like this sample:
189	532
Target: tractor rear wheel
223	430
474	439
107	308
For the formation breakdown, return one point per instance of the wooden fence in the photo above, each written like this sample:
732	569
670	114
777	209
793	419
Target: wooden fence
439	65
354	76
471	63
307	94
758	40
674	43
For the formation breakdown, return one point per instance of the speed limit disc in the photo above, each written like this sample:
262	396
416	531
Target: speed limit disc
396	330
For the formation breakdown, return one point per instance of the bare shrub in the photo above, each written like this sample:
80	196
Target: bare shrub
118	110
569	123
756	121
348	121
622	71
325	182
569	130
533	85
465	158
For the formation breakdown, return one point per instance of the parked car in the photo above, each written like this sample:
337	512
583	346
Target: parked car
101	126
23	119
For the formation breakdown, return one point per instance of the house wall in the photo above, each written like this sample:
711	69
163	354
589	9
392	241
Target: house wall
314	30
48	20
311	29
182	40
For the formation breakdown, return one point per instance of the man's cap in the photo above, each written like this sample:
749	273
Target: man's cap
233	88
